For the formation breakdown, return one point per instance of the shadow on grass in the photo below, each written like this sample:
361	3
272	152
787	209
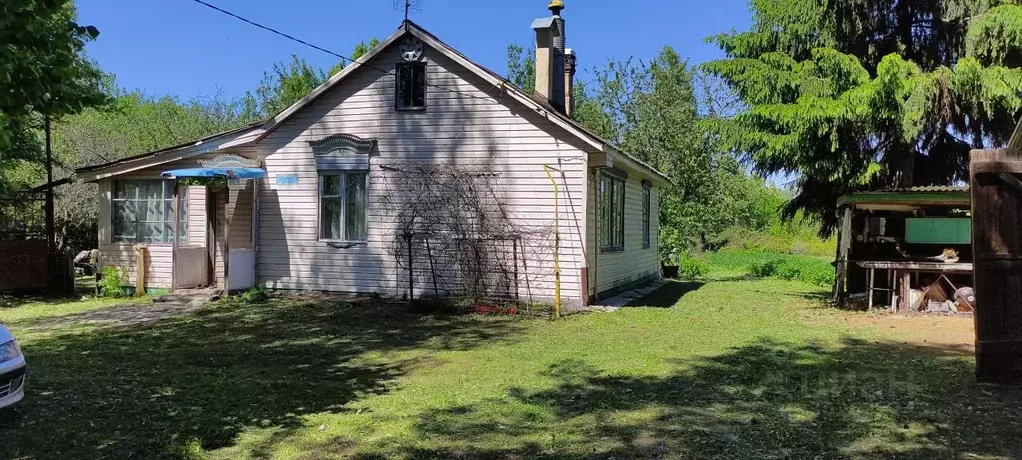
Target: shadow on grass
150	391
9	300
666	296
17	299
765	400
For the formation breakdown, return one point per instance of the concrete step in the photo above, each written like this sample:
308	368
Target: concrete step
188	296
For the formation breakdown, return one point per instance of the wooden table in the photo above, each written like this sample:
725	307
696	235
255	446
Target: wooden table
902	271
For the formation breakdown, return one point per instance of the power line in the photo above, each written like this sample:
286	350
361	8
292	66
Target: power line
319	48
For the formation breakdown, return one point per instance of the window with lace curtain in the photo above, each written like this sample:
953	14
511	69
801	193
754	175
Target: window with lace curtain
143	211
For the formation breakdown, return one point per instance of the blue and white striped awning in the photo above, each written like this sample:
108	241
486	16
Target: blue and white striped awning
230	173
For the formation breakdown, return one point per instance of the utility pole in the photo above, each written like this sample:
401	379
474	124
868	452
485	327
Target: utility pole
51	239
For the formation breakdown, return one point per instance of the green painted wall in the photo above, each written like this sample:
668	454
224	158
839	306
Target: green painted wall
938	231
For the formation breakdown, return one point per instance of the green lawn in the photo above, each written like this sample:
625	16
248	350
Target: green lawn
733	368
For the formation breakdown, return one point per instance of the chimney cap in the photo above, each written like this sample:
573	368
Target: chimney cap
556	6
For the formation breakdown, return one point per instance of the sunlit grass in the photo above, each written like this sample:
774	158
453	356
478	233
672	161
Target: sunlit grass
733	368
15	309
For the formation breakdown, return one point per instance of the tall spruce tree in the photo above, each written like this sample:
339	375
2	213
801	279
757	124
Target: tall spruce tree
858	94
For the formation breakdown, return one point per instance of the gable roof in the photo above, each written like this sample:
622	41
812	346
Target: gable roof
254	133
539	104
201	146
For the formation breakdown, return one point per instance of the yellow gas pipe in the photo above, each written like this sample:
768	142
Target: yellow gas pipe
557	243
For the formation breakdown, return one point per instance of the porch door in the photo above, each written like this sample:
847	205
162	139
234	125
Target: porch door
212	198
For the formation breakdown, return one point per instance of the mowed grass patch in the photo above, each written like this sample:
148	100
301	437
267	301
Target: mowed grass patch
740	368
14	309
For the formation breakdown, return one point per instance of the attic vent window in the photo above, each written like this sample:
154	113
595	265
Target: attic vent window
411	86
411	49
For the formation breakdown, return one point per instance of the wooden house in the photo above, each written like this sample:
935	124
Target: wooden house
412	172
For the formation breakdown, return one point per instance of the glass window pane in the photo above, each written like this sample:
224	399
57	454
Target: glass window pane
125	189
612	237
124	220
184	214
330	219
146	231
331	185
155	211
419	86
621	214
141	210
403	86
355	207
150	189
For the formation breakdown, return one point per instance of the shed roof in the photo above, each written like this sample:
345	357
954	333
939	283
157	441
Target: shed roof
909	198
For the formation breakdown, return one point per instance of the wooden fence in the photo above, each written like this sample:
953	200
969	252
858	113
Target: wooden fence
997	248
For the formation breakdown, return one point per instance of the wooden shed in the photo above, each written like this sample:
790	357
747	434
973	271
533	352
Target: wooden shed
908	249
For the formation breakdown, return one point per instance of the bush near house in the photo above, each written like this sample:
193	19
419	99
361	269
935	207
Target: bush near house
111	285
690	268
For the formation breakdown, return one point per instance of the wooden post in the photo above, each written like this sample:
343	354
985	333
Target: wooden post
51	229
227	239
843	252
255	228
140	270
904	291
869	291
174	256
411	270
997	263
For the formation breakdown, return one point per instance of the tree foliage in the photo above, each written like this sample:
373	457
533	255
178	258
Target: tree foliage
288	82
282	86
43	70
361	49
652	110
521	67
135	123
856	94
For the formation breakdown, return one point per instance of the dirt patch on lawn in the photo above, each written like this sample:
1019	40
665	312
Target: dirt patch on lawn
949	332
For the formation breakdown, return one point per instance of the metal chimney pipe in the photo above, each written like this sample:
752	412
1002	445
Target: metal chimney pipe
557	90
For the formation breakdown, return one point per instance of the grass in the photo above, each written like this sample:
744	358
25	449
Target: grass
732	368
815	270
15	309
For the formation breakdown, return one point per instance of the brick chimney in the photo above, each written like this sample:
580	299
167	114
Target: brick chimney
550	56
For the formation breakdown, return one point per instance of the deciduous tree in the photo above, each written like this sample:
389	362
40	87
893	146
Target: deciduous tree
43	70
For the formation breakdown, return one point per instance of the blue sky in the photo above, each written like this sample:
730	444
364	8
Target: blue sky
182	48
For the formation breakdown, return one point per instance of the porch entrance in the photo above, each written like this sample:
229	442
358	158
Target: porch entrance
219	204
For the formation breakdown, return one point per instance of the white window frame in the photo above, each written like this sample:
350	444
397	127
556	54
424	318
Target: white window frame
647	218
167	206
345	238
